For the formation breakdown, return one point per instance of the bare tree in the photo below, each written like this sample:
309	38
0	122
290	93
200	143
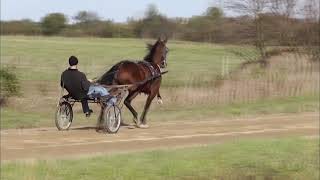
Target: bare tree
283	7
284	11
253	8
311	12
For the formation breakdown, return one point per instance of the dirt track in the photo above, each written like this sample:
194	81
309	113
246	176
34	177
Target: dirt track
47	143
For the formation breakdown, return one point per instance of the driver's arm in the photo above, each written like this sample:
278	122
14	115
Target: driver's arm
85	84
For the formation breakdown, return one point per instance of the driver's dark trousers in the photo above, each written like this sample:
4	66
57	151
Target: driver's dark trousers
85	105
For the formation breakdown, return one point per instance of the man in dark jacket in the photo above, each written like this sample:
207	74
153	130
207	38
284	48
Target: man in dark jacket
80	88
77	84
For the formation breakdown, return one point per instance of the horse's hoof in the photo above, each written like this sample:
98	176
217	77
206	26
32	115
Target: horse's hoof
135	120
124	124
98	130
143	126
159	101
131	127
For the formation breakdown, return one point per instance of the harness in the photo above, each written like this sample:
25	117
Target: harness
154	71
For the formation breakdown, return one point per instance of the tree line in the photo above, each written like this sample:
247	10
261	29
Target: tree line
258	22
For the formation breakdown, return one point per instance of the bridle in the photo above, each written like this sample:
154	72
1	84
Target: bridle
163	63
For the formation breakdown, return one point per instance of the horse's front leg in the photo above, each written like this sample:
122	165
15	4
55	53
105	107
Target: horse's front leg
159	98
145	111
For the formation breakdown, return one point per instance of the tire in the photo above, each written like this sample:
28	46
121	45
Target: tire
111	119
64	116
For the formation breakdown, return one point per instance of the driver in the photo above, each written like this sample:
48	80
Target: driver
79	87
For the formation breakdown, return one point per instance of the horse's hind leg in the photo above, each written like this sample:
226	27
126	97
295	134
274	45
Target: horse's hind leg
127	102
145	111
100	119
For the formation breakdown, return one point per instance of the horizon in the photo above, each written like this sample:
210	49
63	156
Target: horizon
118	11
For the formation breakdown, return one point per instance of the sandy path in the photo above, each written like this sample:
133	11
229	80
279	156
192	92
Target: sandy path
47	143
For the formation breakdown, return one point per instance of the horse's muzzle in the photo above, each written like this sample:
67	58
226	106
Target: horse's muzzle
163	64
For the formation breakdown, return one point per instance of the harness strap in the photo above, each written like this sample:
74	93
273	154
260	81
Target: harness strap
152	70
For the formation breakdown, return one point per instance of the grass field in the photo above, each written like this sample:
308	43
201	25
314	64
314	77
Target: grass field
290	158
188	92
39	61
188	89
11	118
43	58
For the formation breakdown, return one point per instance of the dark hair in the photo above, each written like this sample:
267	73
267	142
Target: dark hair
73	60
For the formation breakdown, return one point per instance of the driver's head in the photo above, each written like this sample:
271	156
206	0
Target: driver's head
73	61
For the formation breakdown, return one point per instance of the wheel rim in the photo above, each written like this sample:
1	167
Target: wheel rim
113	119
64	117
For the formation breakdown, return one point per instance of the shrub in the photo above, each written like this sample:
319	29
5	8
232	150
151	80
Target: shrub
9	84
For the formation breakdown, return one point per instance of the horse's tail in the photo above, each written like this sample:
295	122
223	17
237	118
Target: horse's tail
108	77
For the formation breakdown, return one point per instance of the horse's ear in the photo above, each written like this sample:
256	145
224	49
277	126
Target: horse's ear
165	40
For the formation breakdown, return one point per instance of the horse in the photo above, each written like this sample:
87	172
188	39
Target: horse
145	75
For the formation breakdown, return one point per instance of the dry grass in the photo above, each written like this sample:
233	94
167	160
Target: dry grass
286	75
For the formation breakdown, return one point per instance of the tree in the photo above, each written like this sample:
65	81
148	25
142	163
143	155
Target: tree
214	13
151	11
253	8
90	24
84	17
53	23
283	12
153	25
213	16
283	7
311	30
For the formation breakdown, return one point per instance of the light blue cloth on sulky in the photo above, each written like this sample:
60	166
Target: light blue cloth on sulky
97	91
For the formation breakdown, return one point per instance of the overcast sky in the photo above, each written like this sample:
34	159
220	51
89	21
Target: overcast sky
117	10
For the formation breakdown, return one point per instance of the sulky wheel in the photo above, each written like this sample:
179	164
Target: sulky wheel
64	116
111	119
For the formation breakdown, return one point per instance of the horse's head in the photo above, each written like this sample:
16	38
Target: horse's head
163	51
158	53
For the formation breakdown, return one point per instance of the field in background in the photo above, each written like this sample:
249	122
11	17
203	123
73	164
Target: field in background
204	83
288	158
199	83
39	61
43	58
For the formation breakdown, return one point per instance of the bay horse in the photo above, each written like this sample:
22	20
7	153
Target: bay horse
135	72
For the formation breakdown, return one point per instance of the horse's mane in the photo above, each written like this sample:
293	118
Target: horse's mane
152	50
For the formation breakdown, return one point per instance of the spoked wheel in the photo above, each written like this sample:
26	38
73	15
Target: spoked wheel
64	116
111	119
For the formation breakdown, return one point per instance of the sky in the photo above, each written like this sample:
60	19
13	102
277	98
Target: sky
116	10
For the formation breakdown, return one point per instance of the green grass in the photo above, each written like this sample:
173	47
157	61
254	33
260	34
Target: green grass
260	107
290	158
11	118
14	119
40	60
44	58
